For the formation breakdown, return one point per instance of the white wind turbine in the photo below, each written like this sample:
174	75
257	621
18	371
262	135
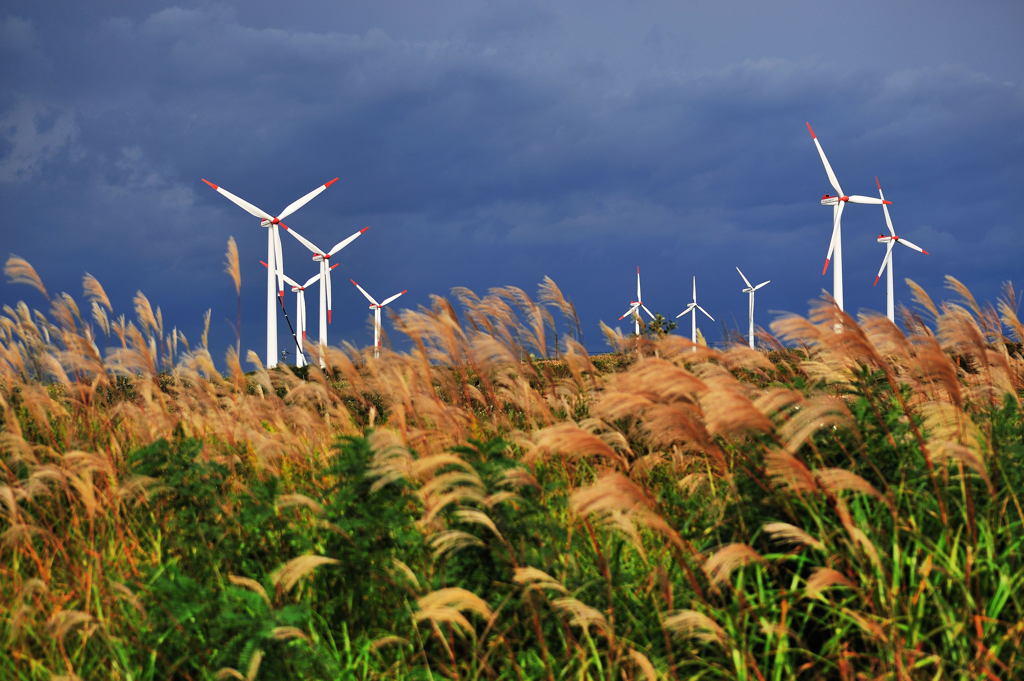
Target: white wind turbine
636	306
837	202
750	303
376	307
300	311
693	320
321	256
890	240
275	261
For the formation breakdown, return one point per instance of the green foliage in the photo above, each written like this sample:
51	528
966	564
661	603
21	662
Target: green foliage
659	326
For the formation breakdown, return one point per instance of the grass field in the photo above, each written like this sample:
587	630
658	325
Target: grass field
843	505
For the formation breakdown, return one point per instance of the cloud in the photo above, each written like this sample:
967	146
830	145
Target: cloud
493	145
32	135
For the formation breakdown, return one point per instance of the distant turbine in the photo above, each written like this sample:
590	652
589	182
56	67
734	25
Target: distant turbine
889	242
376	307
693	320
750	303
321	256
837	202
637	305
274	260
300	312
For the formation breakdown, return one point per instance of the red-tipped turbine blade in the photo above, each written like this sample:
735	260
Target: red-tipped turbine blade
299	203
241	203
345	242
392	298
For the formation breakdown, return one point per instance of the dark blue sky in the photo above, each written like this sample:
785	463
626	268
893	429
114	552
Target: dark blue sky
493	143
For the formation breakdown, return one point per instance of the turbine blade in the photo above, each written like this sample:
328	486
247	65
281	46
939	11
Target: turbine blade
763	283
394	297
295	205
695	288
706	313
857	198
280	259
837	214
885	208
285	277
649	314
240	202
305	242
345	242
363	291
629	311
909	244
745	280
689	309
824	161
885	261
638	283
312	280
327	282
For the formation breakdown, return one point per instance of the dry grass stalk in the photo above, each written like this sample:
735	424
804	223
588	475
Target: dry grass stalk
446	606
231	266
295	569
19	271
574	442
616	499
534	579
721	564
697	625
582	615
791	534
822	578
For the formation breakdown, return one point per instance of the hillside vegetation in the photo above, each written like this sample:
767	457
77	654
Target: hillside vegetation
844	505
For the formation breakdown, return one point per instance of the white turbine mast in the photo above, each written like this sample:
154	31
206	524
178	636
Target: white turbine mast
376	307
890	240
275	261
693	320
749	290
321	256
837	202
636	306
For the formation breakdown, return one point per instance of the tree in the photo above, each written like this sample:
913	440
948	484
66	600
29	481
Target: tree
658	327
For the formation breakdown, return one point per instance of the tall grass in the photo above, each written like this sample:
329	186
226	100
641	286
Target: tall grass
843	506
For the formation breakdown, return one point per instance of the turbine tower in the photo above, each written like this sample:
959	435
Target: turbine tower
750	303
376	307
636	305
691	308
890	240
837	202
275	262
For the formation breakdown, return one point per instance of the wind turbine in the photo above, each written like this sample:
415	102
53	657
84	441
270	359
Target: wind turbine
275	262
750	303
890	240
637	305
300	311
376	307
321	256
837	202
693	320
